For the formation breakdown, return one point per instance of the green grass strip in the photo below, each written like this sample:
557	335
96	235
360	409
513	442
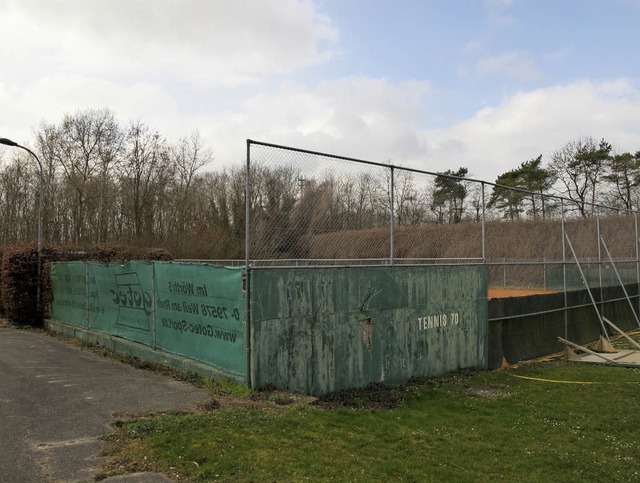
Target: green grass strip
472	426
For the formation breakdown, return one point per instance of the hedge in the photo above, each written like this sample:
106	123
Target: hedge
19	269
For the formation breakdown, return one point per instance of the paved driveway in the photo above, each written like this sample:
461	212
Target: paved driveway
57	400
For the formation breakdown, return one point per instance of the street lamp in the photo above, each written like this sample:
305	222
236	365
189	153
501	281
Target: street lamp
9	142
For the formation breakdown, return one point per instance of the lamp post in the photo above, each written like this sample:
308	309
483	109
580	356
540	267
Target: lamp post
9	142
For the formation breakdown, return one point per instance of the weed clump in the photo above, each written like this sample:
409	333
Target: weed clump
373	396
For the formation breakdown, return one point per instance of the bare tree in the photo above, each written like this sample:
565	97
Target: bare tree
187	157
18	200
278	191
87	146
144	174
360	199
579	167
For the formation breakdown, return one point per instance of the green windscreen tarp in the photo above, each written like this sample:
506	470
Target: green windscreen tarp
122	300
68	284
199	313
186	309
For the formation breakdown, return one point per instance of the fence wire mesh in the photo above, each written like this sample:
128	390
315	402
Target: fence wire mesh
309	208
306	207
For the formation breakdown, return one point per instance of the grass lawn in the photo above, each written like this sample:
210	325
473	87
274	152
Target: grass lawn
518	425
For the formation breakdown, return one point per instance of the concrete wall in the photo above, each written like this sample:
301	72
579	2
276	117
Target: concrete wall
519	338
322	330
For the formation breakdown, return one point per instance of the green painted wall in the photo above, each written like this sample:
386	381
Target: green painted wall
321	330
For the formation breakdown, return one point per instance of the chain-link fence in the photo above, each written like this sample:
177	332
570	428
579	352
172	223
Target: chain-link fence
309	208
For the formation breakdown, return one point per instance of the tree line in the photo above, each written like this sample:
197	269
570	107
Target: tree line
105	181
586	172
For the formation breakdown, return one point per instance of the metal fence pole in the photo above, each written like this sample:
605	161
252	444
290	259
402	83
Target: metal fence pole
586	282
154	329
392	224
484	241
635	218
564	272
247	202
86	295
620	281
598	235
247	245
504	272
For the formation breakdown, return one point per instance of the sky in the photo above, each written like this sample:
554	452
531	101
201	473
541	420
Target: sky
426	84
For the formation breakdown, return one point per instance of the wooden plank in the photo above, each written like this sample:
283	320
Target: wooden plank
588	351
621	332
629	357
623	354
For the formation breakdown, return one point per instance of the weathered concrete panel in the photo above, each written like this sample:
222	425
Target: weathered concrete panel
321	330
519	338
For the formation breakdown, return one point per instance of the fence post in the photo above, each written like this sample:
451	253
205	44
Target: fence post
247	202
598	237
635	218
484	241
247	278
86	295
564	271
504	272
153	306
392	222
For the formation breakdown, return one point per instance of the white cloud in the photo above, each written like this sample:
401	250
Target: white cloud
516	65
174	65
472	46
377	120
48	99
68	94
496	12
492	4
357	116
361	117
224	42
528	124
215	66
559	54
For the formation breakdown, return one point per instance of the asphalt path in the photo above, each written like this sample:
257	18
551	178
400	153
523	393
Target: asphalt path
57	400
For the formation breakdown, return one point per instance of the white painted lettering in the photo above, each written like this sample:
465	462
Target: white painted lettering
438	320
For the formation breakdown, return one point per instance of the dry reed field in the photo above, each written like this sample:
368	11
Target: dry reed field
518	253
513	240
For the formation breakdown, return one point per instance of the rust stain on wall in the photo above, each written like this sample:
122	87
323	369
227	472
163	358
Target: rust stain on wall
367	332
